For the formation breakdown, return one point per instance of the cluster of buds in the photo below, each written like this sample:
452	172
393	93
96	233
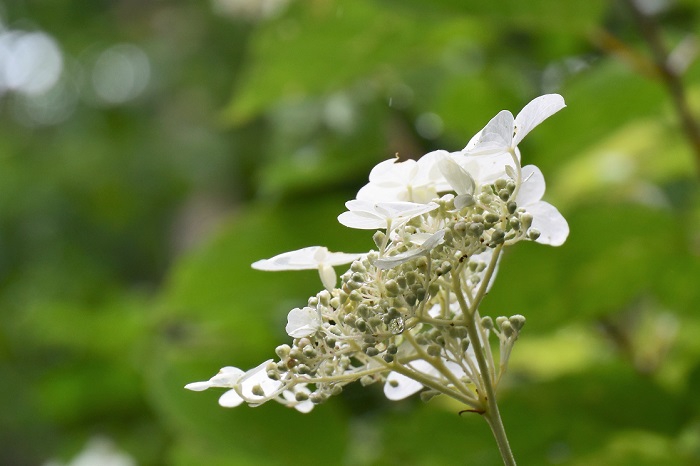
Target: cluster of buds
406	314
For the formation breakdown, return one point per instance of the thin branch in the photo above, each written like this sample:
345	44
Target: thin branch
651	33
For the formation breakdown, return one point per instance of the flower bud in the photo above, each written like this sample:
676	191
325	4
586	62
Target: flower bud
282	351
392	288
491	218
378	238
517	321
533	233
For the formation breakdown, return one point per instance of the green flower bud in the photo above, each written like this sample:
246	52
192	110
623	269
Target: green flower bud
257	390
392	288
371	351
491	217
517	321
309	351
434	350
526	220
358	267
507	329
476	229
498	236
487	323
512	207
301	396
504	195
533	233
282	351
378	238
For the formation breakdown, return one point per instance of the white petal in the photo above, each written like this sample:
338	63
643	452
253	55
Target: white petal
301	259
374	193
258	377
362	220
552	225
328	276
227	377
398	386
536	112
302	322
458	178
340	258
532	187
198	386
304	406
403	210
496	137
423	249
230	399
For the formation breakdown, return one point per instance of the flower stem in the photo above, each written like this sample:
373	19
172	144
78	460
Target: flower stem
488	394
491	414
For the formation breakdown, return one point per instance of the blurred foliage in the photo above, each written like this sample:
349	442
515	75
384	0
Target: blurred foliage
183	140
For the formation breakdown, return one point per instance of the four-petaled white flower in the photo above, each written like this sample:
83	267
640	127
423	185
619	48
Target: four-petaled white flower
313	257
365	215
546	218
408	181
228	377
254	386
503	133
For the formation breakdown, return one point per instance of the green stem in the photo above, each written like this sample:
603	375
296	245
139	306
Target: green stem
491	412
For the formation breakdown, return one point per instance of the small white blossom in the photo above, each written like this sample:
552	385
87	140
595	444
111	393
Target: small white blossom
303	322
365	215
228	377
503	133
408	181
313	257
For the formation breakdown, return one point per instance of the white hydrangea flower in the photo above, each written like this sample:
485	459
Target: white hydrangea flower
313	257
408	181
227	377
303	322
546	218
365	215
503	133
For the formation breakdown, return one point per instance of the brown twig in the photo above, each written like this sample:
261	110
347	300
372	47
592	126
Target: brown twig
652	35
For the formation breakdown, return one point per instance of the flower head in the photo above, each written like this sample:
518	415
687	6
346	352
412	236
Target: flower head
313	257
365	215
503	133
408	181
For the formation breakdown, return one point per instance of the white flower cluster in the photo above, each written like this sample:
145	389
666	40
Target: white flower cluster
406	314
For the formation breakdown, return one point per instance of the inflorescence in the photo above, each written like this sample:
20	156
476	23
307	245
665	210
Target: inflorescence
406	313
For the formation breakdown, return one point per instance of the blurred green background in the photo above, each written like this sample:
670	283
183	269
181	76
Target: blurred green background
151	150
